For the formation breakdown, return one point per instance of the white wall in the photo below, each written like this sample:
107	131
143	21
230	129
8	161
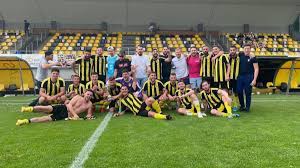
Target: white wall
273	15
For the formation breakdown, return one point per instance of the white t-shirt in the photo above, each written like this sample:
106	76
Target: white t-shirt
180	66
141	63
42	73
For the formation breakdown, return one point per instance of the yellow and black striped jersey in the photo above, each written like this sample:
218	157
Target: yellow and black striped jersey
80	89
212	98
131	102
234	67
52	88
84	69
100	85
156	66
186	101
153	89
171	88
99	64
206	66
113	91
220	68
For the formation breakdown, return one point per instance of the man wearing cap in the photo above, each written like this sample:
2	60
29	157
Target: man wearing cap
111	60
122	64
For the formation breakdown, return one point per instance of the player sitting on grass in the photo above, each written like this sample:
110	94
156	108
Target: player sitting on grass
52	89
170	89
71	111
217	99
98	87
187	101
128	81
154	88
76	88
114	90
133	104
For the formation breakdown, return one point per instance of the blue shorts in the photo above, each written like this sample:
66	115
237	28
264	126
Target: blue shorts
195	82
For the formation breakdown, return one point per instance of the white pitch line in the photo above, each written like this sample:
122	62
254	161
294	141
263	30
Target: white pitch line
90	144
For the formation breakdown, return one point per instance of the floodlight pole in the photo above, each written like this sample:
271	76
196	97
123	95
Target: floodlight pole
21	77
290	77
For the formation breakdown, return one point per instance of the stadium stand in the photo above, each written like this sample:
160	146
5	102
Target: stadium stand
171	41
76	43
266	44
8	39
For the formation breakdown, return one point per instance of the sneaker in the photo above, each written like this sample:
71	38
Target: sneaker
234	115
199	115
203	114
26	109
22	122
169	117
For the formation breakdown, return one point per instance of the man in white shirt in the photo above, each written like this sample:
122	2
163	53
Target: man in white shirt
180	66
42	70
141	65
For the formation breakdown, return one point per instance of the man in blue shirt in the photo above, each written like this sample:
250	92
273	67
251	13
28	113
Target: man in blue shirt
248	72
111	60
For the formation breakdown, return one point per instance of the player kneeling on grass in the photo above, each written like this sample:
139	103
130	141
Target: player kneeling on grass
71	111
130	102
52	89
217	99
187	101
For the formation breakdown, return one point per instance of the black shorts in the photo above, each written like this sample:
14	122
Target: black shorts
190	106
143	112
232	85
223	85
112	103
220	107
59	112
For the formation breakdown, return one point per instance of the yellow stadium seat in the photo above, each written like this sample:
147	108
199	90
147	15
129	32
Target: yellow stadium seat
45	48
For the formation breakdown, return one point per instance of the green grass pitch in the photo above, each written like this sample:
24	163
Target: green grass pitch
268	136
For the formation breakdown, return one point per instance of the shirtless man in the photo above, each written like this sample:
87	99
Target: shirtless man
76	106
